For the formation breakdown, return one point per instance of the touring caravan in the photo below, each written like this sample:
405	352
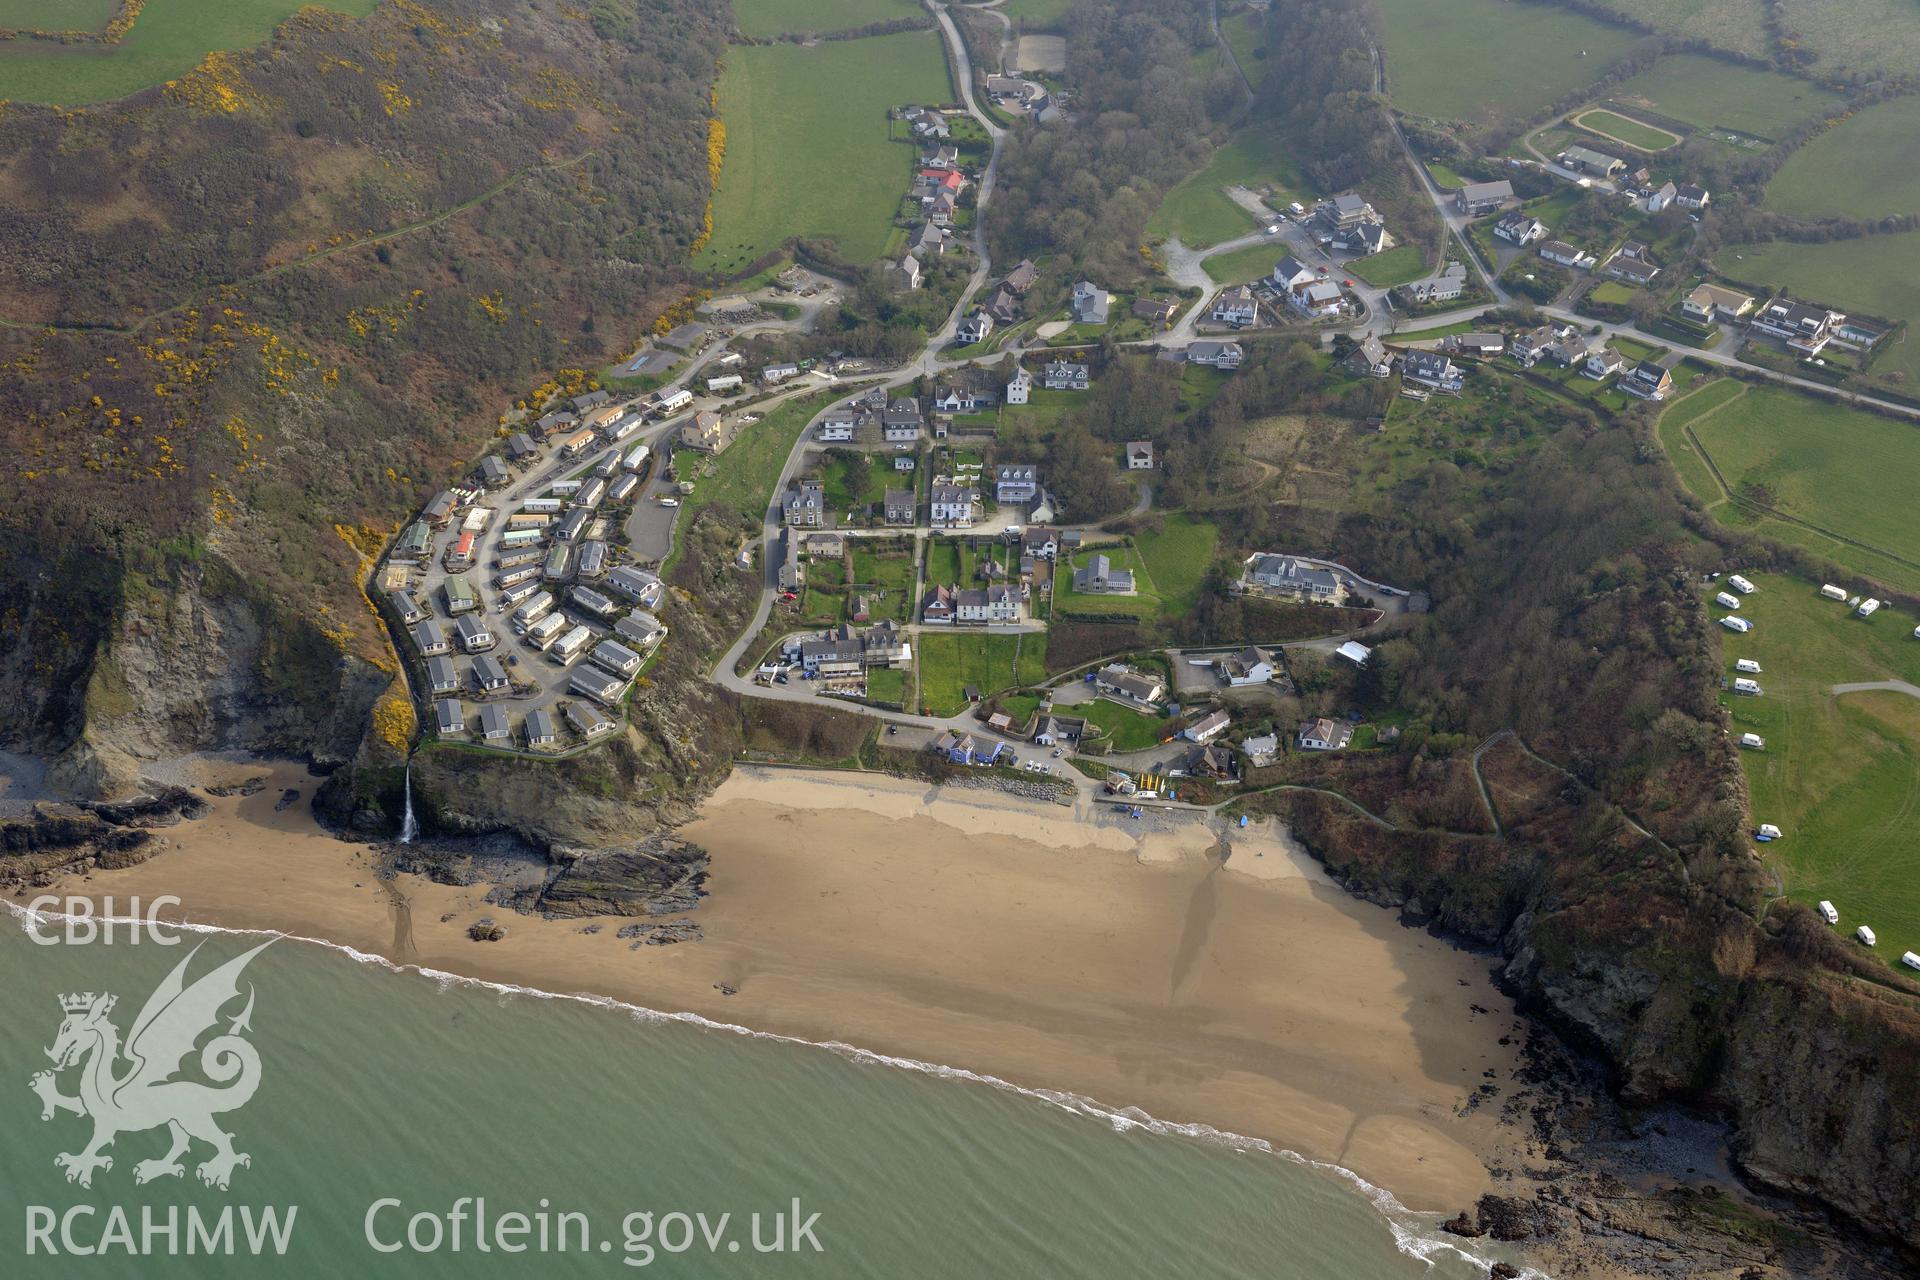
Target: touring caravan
1828	912
1767	832
1753	742
1832	592
1732	623
1866	935
1749	687
1727	600
1868	607
1740	584
1747	665
1910	960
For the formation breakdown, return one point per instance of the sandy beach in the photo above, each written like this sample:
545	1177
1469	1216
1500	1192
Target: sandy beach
1131	965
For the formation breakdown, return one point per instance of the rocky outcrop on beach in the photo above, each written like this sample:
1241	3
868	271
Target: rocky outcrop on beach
56	839
663	875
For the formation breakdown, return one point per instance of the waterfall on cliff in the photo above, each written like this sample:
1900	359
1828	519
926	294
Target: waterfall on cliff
409	828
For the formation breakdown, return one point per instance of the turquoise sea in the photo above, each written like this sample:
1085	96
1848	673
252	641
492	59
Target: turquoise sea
404	1093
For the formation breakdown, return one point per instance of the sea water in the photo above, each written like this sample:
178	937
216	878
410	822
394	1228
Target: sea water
389	1104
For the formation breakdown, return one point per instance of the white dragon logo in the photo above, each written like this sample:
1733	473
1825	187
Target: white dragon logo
146	1095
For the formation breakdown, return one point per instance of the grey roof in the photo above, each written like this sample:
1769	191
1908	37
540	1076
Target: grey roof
540	725
493	722
487	671
441	675
449	715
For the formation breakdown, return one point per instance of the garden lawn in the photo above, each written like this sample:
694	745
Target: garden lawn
1840	775
1711	93
1126	729
776	17
1398	265
808	152
1866	167
1243	265
1144	603
1200	212
1470	59
887	684
1843	471
952	660
168	40
1178	557
1875	275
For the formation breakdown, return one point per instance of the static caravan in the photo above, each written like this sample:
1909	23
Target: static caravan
623	488
1740	584
1868	607
1732	623
1829	912
615	657
568	646
576	444
723	383
627	425
592	601
515	577
519	556
559	560
575	524
528	520
1866	935
598	685
1727	600
1910	960
442	676
607	465
1747	665
588	720
521	538
541	506
514	595
474	635
637	458
532	611
1832	592
409	610
546	631
1749	687
591	492
565	488
665	402
1753	742
593	558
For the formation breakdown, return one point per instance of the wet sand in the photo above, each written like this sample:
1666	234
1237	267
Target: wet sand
1125	962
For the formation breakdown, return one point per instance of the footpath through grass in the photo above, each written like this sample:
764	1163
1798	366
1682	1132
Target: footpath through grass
808	151
168	40
1840	775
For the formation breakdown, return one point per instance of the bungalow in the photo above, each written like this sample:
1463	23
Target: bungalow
1597	164
1236	306
1692	197
1369	359
1430	369
1090	303
900	506
1015	483
592	601
441	675
1805	327
941	159
1211	725
1631	264
640	628
1710	302
475	635
1519	228
588	720
903	462
615	657
1322	734
430	639
459	594
1098	577
775	374
1129	685
576	444
450	716
520	446
952	506
724	384
539	727
806	503
987	605
1251	666
1062	375
958	397
1648	381
1139	455
1603	364
1261	750
1157	312
603	687
415	542
1483	345
1564	254
558	420
1217	355
1019	386
1571	349
1479	198
590	400
488	675
1278	575
926	123
974	329
636	585
407	607
440	510
493	472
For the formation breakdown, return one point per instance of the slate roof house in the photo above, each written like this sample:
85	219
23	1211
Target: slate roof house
1015	483
1090	303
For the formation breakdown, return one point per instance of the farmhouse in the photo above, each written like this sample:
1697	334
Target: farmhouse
1322	734
1099	577
1478	198
1519	228
1710	302
1806	328
1139	455
1236	306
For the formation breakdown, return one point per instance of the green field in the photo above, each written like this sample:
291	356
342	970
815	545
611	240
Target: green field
1398	265
1246	35
1739	25
1126	729
776	17
1850	36
1469	59
1200	212
807	146
168	40
1875	275
1624	129
1708	93
1242	265
1144	603
1178	558
1037	13
57	15
1840	775
1866	167
952	660
1844	472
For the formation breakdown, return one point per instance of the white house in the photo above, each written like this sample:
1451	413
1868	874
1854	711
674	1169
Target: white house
1019	386
952	507
975	328
1139	455
1322	734
1090	303
1251	666
1518	228
1063	375
1208	727
1236	306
